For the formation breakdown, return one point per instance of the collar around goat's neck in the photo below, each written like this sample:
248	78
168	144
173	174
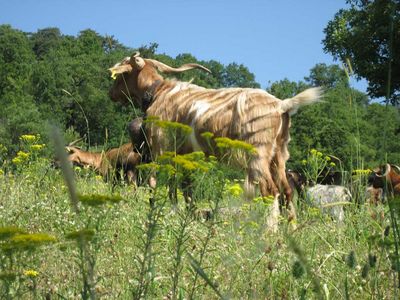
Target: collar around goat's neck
148	96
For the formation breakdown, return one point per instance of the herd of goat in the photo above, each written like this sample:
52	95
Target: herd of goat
250	115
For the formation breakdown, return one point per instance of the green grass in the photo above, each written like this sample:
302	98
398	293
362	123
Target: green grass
166	251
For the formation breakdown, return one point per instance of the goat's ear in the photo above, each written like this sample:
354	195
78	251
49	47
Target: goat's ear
71	150
137	62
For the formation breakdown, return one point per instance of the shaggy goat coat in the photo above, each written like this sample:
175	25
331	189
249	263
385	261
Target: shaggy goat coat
249	115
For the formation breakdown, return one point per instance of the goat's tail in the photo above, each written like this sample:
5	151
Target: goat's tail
309	96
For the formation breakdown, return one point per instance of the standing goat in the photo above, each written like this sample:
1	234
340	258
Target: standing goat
250	115
109	163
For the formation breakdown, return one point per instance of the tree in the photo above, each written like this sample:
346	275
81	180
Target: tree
368	36
44	40
18	114
236	75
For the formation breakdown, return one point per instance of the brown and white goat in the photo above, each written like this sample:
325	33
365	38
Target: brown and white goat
251	115
385	177
109	163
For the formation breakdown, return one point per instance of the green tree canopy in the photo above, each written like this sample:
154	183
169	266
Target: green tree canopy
368	36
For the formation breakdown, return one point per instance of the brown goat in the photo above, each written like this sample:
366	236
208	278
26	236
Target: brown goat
386	178
108	163
250	115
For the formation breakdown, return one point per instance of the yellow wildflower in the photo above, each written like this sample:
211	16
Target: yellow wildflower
28	137
223	142
16	160
207	135
37	147
362	172
31	273
332	164
235	190
304	162
23	155
98	199
313	151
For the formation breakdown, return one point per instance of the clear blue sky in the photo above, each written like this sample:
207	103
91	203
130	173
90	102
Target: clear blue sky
275	39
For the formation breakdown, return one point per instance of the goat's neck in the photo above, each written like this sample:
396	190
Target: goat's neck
93	159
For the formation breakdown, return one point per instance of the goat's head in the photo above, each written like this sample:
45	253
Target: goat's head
79	157
134	76
76	156
296	179
382	173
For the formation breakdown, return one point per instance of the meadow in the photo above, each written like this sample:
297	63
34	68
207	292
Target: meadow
86	238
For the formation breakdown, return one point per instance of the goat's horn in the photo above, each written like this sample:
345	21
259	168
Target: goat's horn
387	170
397	167
167	69
68	149
76	141
137	62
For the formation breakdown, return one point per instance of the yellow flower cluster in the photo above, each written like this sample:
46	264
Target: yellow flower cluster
314	212
9	231
207	135
316	153
190	162
37	147
362	172
29	241
235	190
31	273
223	142
30	138
267	201
20	158
98	199
169	125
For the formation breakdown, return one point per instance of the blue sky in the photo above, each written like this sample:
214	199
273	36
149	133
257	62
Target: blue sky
274	39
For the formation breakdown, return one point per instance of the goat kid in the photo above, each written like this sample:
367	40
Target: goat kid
251	115
108	163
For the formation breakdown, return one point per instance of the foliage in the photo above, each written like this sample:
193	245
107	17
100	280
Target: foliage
367	34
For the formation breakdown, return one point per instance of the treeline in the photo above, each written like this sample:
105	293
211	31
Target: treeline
50	78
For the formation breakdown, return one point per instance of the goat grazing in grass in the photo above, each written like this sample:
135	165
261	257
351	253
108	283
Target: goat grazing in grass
108	163
250	115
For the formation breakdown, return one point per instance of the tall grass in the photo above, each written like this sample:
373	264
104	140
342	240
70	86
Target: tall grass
144	246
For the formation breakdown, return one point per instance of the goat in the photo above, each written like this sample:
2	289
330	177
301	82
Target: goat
374	195
330	198
108	163
386	178
251	115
